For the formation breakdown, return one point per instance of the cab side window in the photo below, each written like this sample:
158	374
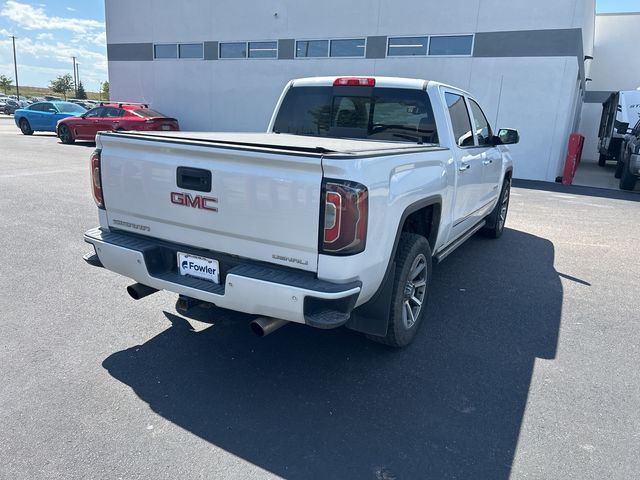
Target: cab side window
460	121
482	127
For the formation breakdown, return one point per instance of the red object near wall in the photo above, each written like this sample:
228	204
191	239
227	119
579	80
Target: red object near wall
574	155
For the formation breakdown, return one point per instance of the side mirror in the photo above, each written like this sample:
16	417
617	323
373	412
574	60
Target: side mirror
52	110
508	136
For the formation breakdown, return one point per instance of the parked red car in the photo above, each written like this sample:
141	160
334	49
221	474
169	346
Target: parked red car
113	117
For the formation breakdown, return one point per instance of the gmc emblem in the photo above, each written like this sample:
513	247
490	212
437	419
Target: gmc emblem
197	201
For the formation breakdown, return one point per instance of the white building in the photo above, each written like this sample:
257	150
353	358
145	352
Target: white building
221	64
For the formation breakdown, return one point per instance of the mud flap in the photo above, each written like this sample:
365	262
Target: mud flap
373	316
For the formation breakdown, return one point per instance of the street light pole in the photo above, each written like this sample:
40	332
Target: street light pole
75	78
15	66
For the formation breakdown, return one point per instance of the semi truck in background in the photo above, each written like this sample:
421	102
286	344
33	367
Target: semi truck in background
620	111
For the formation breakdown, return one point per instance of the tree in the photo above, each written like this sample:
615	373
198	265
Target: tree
5	83
104	90
82	95
62	84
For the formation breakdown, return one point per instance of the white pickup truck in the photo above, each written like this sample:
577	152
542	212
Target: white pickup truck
333	217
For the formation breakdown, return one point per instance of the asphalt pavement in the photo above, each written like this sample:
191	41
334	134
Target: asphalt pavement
526	368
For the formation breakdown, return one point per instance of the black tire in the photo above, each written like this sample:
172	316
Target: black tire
65	135
602	160
409	297
25	128
627	179
620	160
498	216
619	168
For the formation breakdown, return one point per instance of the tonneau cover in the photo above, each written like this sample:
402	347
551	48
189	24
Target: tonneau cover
324	145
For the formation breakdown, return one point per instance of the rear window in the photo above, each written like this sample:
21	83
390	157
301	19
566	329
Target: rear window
147	112
386	114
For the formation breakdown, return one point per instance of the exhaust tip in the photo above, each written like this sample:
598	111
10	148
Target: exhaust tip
257	329
263	326
132	292
138	291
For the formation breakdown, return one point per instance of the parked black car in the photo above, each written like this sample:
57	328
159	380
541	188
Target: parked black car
11	106
628	166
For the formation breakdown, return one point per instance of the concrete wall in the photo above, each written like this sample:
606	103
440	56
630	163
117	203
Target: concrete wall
526	69
614	67
168	20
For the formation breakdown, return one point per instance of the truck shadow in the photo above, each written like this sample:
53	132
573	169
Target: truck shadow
304	403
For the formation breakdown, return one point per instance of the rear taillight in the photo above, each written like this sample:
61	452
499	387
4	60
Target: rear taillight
96	178
344	217
354	82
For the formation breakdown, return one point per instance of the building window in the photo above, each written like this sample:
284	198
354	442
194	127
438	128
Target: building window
190	50
312	48
233	50
347	48
407	46
263	49
451	45
165	50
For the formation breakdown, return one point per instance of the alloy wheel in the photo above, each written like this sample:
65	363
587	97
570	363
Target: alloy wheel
504	205
414	291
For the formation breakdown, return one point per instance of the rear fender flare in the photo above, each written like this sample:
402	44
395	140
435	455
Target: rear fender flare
372	317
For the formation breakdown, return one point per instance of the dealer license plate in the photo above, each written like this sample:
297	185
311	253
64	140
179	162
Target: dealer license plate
166	127
199	267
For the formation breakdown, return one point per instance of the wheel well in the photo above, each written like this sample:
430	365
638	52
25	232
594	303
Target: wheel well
508	175
425	222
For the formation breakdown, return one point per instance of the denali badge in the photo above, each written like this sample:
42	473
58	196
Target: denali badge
290	259
196	201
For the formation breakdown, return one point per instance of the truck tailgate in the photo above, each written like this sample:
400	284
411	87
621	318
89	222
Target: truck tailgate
262	204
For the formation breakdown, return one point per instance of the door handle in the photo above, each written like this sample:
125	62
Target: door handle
487	162
464	166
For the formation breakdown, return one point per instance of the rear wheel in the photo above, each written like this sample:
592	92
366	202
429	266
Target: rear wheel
25	128
619	160
619	168
408	301
65	134
602	160
627	179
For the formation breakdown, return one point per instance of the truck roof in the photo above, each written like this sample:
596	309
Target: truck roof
384	82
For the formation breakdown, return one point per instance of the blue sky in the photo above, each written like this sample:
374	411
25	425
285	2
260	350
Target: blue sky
611	6
50	32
